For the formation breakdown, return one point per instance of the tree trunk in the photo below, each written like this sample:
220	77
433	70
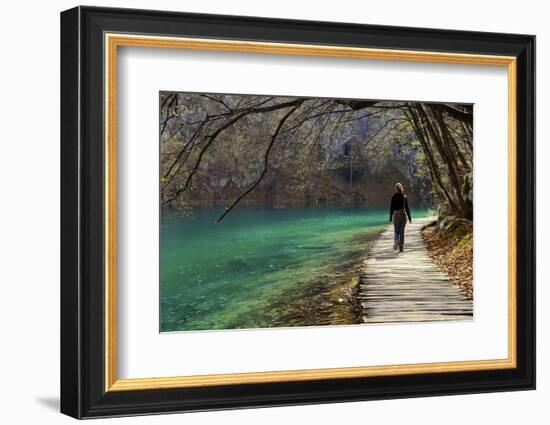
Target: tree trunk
447	159
424	142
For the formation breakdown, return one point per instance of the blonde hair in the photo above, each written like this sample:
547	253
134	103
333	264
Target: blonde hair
399	187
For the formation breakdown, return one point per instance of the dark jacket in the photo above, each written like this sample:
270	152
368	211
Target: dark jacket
399	202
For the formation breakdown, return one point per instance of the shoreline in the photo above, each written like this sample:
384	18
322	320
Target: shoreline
332	297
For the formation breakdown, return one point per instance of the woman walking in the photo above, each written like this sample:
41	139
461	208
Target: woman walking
399	206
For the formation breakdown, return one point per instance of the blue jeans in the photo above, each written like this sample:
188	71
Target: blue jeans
399	222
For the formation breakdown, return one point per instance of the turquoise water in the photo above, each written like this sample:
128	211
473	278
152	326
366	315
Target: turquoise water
259	267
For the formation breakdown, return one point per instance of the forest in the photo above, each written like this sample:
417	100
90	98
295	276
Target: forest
224	150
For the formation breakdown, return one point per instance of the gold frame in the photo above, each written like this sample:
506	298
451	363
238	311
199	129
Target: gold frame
113	41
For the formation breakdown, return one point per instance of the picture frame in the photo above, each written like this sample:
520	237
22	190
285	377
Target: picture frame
90	39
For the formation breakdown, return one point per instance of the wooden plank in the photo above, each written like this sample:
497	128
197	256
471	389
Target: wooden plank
407	286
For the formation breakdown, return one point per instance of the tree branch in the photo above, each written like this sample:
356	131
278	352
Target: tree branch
210	139
454	112
266	163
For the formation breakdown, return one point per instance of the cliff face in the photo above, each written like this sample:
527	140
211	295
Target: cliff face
345	178
402	165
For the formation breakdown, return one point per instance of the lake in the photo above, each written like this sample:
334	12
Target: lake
261	267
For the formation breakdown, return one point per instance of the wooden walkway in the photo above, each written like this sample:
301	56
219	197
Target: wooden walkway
407	286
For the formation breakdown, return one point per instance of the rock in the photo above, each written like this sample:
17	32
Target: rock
450	224
442	212
443	223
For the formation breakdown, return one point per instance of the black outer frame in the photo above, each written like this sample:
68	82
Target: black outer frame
82	212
